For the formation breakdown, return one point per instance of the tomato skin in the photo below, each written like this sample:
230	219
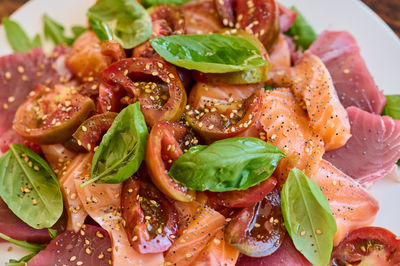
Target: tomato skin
266	13
135	193
257	231
113	49
368	246
128	73
244	198
210	125
90	133
51	116
162	135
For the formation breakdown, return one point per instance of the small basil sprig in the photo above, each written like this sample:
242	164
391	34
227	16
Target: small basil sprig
308	217
122	148
29	187
229	164
22	261
55	31
301	31
125	21
148	3
209	53
32	247
17	37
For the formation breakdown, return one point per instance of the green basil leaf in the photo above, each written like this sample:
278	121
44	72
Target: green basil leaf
55	31
148	3
308	217
41	203
268	88
209	53
17	37
125	21
392	107
52	232
32	247
122	148
229	164
22	261
301	31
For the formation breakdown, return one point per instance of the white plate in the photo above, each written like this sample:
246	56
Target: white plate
380	48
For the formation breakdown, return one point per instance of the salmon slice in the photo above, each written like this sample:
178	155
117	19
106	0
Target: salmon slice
352	206
280	55
217	252
203	223
78	168
57	156
312	85
103	203
284	124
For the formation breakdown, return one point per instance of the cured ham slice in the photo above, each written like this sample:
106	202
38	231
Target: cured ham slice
373	148
90	246
353	82
286	17
352	206
19	73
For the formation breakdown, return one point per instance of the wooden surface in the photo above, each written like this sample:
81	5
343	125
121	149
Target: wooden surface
388	10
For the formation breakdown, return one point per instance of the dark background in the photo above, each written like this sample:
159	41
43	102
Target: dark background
389	10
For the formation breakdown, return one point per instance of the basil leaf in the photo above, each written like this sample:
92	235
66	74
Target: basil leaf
268	88
22	261
17	37
121	150
125	21
392	107
209	53
55	31
52	232
308	217
301	31
29	187
148	3
229	164
32	247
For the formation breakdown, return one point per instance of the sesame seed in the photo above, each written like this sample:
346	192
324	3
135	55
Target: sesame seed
5	106
363	248
318	232
101	255
303	233
88	251
346	71
126	72
7	75
172	236
228	220
134	238
188	255
11	99
159	65
84	129
99	234
34	201
73	258
20	69
171	75
79	263
257	225
147	217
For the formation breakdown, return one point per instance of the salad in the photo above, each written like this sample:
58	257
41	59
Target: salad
204	132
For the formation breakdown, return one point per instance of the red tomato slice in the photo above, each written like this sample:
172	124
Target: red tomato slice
155	84
163	148
151	220
109	99
368	246
244	198
260	17
257	231
51	116
214	117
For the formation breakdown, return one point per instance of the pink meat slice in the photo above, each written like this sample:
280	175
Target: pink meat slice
287	254
353	82
14	227
90	246
286	17
373	149
19	73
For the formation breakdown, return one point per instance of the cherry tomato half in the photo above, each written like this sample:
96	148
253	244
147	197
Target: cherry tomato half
163	148
215	114
166	20
51	116
90	133
260	17
244	198
257	231
154	83
151	219
368	246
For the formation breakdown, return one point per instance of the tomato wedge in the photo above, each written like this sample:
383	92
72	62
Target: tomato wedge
51	116
219	118
154	83
90	133
163	148
166	20
244	198
260	17
151	219
257	231
368	246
